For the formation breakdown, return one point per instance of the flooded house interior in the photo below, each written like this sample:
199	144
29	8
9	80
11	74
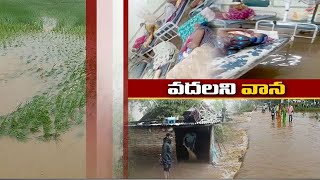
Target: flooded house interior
200	40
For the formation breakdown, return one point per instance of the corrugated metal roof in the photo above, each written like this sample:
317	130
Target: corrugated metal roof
176	124
208	116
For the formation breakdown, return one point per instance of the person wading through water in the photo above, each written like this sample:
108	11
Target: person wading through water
273	111
278	113
290	112
284	113
167	155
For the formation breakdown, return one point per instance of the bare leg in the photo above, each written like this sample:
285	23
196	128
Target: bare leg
195	3
223	32
197	38
166	174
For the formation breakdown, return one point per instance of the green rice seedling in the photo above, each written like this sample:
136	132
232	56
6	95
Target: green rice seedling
48	36
20	16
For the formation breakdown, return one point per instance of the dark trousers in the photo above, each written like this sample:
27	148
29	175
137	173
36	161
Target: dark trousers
290	118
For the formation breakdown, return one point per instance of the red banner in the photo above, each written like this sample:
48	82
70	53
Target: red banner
217	89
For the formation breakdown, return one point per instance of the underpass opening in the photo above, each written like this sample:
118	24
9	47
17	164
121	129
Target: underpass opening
201	147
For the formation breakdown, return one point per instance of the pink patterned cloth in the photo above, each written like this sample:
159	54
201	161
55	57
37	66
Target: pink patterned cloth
243	14
139	42
236	14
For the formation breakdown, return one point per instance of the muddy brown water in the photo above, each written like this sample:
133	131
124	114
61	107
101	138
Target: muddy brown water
275	151
15	91
36	159
196	170
282	151
301	62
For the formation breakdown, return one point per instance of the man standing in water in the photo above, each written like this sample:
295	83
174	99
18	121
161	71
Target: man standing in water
273	111
290	112
278	113
189	140
269	106
167	155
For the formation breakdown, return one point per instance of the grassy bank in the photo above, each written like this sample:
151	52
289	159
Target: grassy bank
53	112
244	107
307	109
233	146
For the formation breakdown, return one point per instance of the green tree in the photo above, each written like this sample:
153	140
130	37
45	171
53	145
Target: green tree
217	105
158	109
246	105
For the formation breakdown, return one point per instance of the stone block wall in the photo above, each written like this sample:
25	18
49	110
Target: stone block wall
146	143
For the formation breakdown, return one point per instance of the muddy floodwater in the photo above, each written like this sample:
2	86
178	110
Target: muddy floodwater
298	61
36	159
289	150
150	169
282	151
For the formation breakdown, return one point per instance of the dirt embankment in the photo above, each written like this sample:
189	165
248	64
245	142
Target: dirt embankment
235	145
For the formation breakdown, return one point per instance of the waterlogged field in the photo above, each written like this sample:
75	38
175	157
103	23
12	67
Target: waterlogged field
42	67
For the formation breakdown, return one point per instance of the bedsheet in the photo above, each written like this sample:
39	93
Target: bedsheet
201	64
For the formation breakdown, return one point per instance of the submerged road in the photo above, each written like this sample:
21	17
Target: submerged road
290	150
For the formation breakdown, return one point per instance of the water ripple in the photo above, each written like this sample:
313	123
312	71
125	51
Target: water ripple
283	60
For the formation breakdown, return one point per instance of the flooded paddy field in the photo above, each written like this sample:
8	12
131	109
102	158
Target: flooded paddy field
42	88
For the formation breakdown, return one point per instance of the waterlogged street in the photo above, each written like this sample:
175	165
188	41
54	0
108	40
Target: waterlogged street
275	150
288	150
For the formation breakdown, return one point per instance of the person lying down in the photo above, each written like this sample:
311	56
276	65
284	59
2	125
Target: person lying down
204	45
227	40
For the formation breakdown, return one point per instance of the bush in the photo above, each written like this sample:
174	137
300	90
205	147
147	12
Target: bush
307	109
